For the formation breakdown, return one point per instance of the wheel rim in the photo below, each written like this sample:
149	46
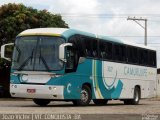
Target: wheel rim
84	96
136	96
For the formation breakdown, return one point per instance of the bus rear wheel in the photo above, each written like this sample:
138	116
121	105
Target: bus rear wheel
41	102
136	98
100	101
85	97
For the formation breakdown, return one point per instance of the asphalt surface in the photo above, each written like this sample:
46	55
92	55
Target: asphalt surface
148	109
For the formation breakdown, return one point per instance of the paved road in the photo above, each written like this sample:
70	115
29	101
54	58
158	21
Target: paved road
151	107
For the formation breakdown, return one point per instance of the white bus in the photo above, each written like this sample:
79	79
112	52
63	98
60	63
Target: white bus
52	64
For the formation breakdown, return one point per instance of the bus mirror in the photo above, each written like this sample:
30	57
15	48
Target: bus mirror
6	51
62	51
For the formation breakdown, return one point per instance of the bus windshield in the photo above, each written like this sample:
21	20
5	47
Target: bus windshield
37	53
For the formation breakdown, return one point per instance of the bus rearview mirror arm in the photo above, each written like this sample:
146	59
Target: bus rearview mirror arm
3	51
62	51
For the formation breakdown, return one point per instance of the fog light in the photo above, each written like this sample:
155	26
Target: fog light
50	88
54	88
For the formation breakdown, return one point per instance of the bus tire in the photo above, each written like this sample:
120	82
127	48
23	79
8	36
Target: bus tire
41	102
136	98
100	101
85	97
127	102
74	102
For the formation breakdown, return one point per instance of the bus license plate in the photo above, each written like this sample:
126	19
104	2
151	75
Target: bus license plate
31	90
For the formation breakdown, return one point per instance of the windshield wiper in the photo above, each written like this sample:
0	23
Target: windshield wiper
26	61
43	60
45	63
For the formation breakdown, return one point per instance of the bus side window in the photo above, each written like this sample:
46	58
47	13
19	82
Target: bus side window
142	57
88	50
152	58
132	55
129	54
116	52
135	55
105	50
139	56
123	53
95	49
102	50
91	48
89	53
108	50
85	46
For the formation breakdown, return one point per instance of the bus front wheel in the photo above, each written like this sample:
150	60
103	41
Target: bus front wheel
41	102
85	97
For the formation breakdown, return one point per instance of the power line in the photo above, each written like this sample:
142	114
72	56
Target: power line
106	15
148	43
131	36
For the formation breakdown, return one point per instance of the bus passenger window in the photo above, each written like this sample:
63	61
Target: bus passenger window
95	49
152	58
116	53
123	53
132	55
102	53
143	59
91	48
88	53
109	50
105	50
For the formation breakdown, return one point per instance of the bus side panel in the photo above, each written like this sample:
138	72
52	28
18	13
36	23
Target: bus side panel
103	90
109	80
73	81
130	76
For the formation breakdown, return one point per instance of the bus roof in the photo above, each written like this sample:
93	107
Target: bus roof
65	32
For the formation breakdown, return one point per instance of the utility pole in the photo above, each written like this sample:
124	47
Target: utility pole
144	27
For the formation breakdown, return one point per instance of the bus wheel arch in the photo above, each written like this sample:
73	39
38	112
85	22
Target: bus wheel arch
41	102
136	96
139	88
87	84
86	95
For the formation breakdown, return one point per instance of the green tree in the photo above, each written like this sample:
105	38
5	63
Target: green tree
14	18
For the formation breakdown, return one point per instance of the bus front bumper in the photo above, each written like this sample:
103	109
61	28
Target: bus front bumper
37	91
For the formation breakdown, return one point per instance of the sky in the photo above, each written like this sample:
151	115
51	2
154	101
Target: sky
107	17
